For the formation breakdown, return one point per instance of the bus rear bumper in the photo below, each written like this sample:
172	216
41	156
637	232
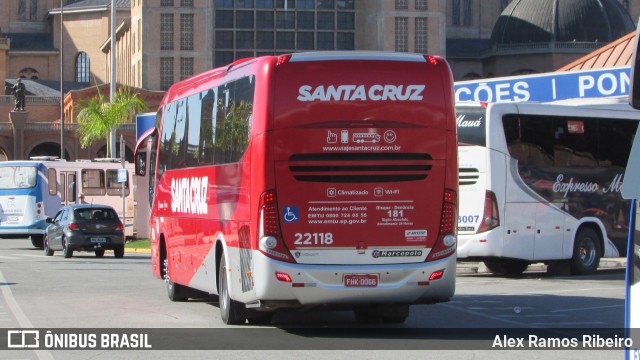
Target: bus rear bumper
325	284
487	244
8	231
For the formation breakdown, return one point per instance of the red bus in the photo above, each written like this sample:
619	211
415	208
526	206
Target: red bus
322	179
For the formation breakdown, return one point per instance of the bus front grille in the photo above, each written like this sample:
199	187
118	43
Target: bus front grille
360	167
468	176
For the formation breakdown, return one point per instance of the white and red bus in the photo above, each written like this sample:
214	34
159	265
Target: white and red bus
307	180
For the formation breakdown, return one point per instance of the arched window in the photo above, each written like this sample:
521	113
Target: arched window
29	73
82	68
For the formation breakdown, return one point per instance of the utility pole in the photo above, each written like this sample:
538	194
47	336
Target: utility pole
112	134
61	82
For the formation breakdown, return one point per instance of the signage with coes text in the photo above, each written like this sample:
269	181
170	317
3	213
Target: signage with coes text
547	87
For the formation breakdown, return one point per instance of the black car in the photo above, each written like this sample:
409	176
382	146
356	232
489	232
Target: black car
85	227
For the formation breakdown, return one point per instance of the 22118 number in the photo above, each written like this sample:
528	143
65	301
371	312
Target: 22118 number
313	238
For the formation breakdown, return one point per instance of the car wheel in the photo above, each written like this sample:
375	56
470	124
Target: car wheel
66	249
586	252
36	241
118	252
99	253
47	249
231	311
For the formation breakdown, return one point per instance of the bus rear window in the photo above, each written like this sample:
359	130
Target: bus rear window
471	126
17	177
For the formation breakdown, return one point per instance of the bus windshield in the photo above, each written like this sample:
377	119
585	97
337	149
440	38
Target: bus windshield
17	177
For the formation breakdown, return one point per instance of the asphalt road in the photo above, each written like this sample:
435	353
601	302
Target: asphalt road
87	294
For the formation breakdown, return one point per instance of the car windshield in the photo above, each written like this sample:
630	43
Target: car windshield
99	214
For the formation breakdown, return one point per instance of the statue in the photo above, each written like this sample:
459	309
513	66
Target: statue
19	91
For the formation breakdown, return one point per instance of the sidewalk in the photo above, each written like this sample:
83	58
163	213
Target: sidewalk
135	250
480	268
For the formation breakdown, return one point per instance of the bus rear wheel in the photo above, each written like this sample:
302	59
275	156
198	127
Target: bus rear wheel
259	317
586	252
37	241
507	266
175	292
231	311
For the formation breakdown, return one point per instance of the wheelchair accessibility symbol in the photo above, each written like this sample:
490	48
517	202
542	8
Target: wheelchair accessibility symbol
290	214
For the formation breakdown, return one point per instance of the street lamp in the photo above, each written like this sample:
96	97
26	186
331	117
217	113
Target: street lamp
61	85
112	134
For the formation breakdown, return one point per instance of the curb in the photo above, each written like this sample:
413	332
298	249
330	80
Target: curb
480	268
134	250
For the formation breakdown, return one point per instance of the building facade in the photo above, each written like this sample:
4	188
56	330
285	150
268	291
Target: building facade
168	43
491	38
67	44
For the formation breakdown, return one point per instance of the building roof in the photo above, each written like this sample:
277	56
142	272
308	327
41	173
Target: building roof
93	4
45	88
617	53
531	21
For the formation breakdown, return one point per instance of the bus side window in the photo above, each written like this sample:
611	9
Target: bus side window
526	139
93	182
53	184
71	192
63	187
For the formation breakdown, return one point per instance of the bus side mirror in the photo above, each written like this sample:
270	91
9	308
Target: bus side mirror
141	163
634	91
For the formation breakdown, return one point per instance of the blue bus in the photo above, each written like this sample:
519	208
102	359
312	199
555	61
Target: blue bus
32	190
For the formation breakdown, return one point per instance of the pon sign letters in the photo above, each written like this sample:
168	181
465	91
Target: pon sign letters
547	87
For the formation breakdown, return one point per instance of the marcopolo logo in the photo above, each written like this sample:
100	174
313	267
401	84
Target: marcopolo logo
361	92
395	253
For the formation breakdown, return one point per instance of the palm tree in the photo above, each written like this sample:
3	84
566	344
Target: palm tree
97	118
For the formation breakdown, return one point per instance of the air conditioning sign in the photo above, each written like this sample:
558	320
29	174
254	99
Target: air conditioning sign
361	93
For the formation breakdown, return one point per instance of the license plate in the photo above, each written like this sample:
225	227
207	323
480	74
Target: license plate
13	218
366	280
98	240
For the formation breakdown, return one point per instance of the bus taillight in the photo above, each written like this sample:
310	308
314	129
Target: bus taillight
283	59
491	216
446	242
431	60
269	236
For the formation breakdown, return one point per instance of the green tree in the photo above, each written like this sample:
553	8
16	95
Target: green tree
97	118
